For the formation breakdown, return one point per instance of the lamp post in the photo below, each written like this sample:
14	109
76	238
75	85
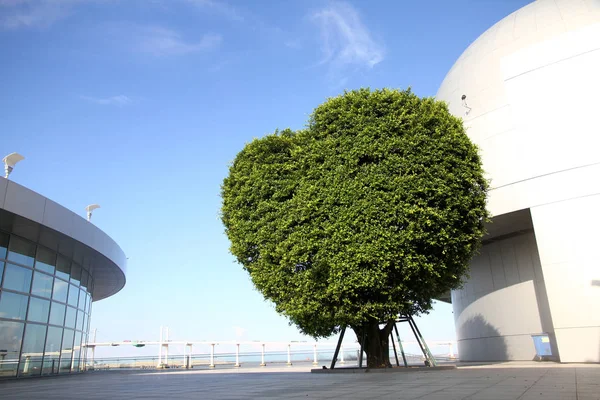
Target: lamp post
10	161
89	209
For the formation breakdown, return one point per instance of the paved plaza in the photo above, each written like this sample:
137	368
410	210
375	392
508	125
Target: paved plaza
492	382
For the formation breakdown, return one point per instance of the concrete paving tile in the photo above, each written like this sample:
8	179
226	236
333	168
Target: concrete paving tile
537	396
589	389
442	396
506	382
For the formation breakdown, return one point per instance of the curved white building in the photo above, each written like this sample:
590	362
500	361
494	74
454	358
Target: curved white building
53	265
532	87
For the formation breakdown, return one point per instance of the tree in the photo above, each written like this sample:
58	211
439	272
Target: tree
373	210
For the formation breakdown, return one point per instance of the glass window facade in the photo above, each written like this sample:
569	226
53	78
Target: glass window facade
17	278
57	314
13	305
38	310
21	251
42	285
82	299
59	292
45	304
11	335
32	353
52	350
79	324
76	351
63	267
66	352
45	260
73	295
70	318
3	244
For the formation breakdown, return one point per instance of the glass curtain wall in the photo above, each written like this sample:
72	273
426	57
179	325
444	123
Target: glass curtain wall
45	305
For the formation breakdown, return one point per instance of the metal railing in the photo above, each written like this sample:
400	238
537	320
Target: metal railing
269	353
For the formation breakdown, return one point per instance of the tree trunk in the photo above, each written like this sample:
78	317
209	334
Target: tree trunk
377	343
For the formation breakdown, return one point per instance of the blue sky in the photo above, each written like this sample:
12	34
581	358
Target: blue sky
139	105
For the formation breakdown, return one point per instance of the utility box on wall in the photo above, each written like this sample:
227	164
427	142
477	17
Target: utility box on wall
542	346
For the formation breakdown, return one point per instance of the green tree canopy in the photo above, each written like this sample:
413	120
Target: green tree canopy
373	210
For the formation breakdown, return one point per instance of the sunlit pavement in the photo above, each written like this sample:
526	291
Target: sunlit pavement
493	382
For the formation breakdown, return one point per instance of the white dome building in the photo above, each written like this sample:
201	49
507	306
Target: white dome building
532	105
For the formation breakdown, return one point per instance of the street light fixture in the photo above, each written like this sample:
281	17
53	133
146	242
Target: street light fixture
465	105
89	210
10	161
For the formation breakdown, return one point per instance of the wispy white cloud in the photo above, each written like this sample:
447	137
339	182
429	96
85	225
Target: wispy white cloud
345	40
219	7
15	14
119	100
160	41
251	21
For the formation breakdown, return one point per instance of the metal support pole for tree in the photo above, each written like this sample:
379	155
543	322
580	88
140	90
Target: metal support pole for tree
315	361
432	361
395	351
337	349
400	345
417	337
426	353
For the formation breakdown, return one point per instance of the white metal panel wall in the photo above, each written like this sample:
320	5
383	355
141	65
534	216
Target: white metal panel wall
567	237
497	310
532	87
